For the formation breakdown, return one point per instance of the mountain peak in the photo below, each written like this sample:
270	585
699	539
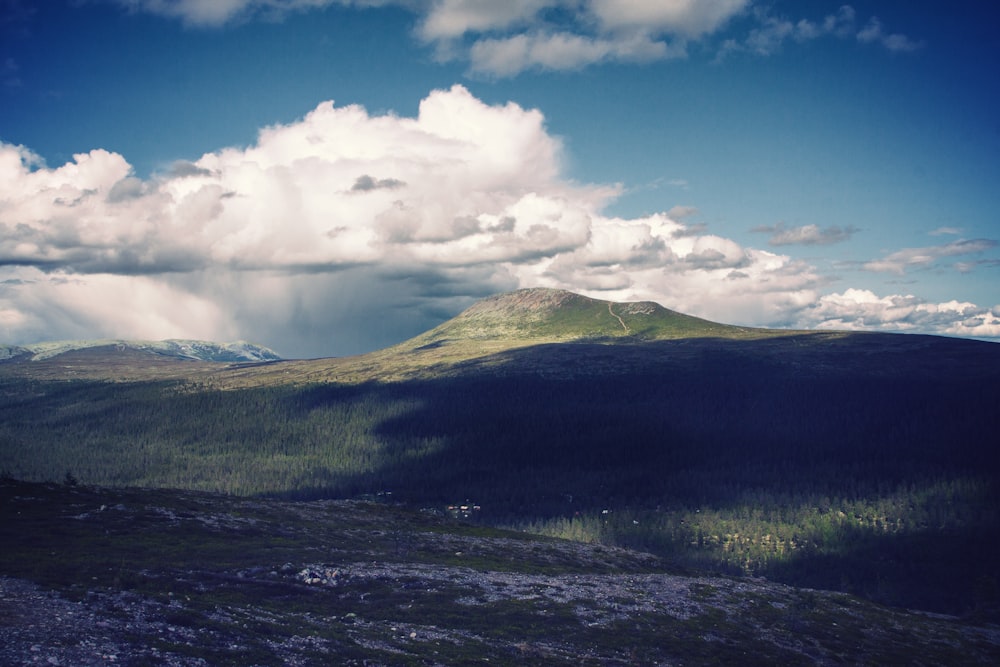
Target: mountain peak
539	315
531	299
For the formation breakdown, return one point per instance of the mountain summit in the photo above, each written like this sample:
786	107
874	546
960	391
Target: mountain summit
539	315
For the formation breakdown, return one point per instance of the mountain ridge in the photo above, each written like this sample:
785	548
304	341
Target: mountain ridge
184	349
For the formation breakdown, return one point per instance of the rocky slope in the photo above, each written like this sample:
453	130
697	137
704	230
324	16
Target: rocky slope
95	577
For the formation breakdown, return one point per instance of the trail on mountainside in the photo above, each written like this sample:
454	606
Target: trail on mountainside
620	320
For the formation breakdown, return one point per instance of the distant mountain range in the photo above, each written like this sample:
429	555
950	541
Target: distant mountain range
191	350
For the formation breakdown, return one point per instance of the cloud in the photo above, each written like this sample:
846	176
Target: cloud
680	212
504	39
344	231
874	33
366	183
969	267
688	18
901	261
587	32
772	32
217	13
509	56
858	309
806	234
450	19
314	213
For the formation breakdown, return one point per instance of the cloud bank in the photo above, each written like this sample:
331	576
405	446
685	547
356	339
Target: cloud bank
344	232
503	39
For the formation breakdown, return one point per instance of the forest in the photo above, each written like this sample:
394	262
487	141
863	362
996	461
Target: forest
868	477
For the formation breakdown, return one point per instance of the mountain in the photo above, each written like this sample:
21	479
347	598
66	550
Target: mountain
492	329
189	350
551	315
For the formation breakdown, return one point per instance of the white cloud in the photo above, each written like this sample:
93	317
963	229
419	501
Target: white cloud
346	231
510	56
858	309
450	19
688	18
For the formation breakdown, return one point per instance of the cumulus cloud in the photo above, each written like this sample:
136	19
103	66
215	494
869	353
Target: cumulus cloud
857	309
806	234
901	261
345	231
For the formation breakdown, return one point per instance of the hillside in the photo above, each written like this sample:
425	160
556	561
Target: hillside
858	462
550	315
96	576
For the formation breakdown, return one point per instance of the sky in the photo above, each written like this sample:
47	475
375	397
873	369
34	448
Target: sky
330	177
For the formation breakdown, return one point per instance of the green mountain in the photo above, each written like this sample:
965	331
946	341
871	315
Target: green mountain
551	315
503	323
860	462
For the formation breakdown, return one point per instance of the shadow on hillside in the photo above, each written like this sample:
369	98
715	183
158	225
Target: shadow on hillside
831	450
560	431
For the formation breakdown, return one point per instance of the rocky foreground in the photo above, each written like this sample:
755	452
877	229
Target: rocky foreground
151	577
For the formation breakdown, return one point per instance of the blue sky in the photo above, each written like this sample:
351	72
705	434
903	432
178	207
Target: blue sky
328	177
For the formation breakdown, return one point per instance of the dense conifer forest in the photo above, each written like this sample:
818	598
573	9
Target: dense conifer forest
852	471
